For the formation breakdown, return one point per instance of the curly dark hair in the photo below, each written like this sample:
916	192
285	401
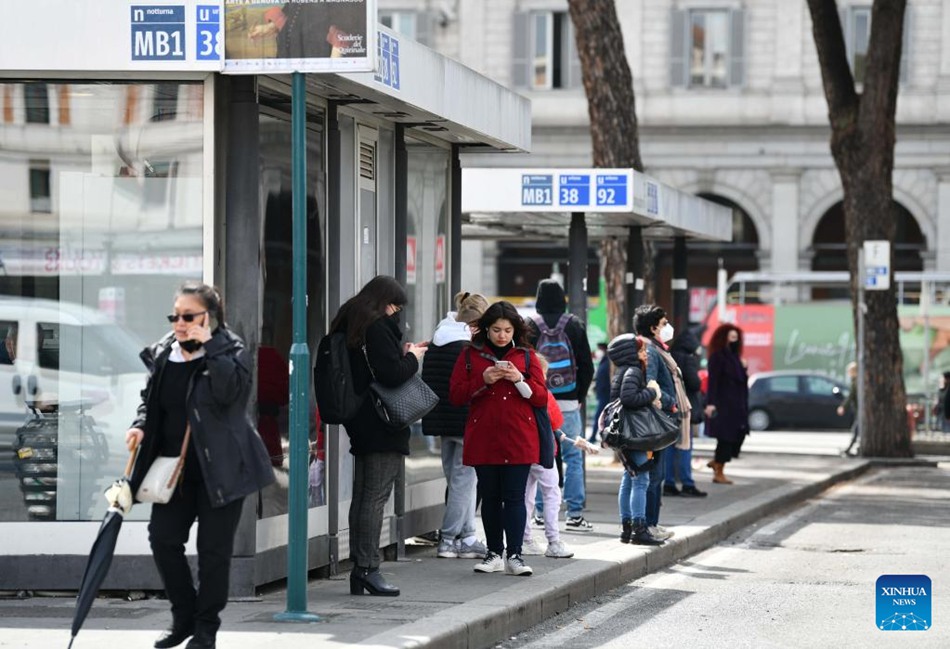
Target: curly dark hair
502	311
719	339
647	316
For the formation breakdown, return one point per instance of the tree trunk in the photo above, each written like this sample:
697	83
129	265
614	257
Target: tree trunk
613	126
862	144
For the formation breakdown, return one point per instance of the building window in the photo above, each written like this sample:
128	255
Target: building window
856	22
707	48
859	28
545	55
401	22
40	190
36	96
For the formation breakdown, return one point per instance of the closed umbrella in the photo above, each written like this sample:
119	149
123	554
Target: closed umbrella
119	496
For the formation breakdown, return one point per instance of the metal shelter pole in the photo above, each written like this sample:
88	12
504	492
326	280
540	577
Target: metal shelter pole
680	286
634	274
299	368
577	266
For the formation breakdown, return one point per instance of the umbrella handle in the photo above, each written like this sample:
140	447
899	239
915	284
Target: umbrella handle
132	456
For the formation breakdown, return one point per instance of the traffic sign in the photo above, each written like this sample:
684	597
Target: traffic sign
877	265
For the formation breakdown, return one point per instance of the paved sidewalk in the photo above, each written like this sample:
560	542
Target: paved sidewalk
444	603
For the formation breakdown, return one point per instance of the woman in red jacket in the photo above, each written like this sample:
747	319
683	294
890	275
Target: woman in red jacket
501	434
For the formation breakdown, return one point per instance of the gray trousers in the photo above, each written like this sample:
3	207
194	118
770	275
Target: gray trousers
373	478
458	521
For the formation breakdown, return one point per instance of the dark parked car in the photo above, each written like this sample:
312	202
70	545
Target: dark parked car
796	399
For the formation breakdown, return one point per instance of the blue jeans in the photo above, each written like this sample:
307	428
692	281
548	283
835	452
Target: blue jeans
458	521
655	488
632	497
573	458
679	461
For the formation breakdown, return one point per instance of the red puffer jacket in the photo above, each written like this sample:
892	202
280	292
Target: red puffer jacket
501	428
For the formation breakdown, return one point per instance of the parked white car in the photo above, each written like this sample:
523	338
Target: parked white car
70	373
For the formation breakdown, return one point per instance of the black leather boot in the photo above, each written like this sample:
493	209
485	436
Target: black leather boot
201	640
371	581
627	533
175	635
641	534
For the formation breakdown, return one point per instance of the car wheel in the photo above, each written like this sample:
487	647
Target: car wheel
759	420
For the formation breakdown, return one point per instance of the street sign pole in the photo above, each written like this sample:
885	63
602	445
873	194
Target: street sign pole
862	308
299	368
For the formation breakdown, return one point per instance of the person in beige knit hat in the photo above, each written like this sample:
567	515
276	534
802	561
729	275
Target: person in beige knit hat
457	534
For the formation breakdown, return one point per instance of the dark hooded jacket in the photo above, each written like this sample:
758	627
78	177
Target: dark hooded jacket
550	305
686	351
628	383
230	453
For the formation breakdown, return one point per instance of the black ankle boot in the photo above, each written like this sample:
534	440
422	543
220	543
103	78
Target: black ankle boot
201	640
642	535
175	635
627	533
372	581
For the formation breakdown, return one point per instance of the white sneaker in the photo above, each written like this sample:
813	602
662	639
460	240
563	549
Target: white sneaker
558	550
491	563
447	549
474	550
531	548
515	565
661	533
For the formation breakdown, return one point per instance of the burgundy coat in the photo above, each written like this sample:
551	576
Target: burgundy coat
501	428
729	392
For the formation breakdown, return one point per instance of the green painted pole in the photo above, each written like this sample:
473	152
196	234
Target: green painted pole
299	369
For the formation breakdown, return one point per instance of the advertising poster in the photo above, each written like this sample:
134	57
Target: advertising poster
299	36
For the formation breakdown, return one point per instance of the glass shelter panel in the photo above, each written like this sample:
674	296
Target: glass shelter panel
100	220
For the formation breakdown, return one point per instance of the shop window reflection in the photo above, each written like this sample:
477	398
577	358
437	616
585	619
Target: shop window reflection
101	219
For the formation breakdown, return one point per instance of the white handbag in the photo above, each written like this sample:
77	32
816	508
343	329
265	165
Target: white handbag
163	476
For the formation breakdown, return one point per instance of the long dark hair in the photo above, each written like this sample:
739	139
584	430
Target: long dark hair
720	339
209	296
367	306
643	364
501	311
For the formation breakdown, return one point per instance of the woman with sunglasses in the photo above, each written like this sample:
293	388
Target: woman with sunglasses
198	387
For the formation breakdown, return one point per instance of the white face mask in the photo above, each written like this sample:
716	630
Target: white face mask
666	333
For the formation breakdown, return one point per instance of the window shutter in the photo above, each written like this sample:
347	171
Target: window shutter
520	44
679	46
737	48
571	60
425	24
905	47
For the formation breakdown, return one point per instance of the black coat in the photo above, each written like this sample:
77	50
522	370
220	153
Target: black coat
368	433
628	383
230	453
445	419
684	352
729	392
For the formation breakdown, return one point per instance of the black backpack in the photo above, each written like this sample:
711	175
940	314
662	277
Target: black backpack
337	398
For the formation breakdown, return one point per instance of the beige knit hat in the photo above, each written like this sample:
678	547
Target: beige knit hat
470	306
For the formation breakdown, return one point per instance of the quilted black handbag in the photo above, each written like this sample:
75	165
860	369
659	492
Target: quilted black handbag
641	429
404	404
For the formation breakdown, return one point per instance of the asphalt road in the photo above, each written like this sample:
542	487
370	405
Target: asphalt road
803	578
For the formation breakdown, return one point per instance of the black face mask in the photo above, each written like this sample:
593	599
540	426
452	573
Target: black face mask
734	346
395	317
190	346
